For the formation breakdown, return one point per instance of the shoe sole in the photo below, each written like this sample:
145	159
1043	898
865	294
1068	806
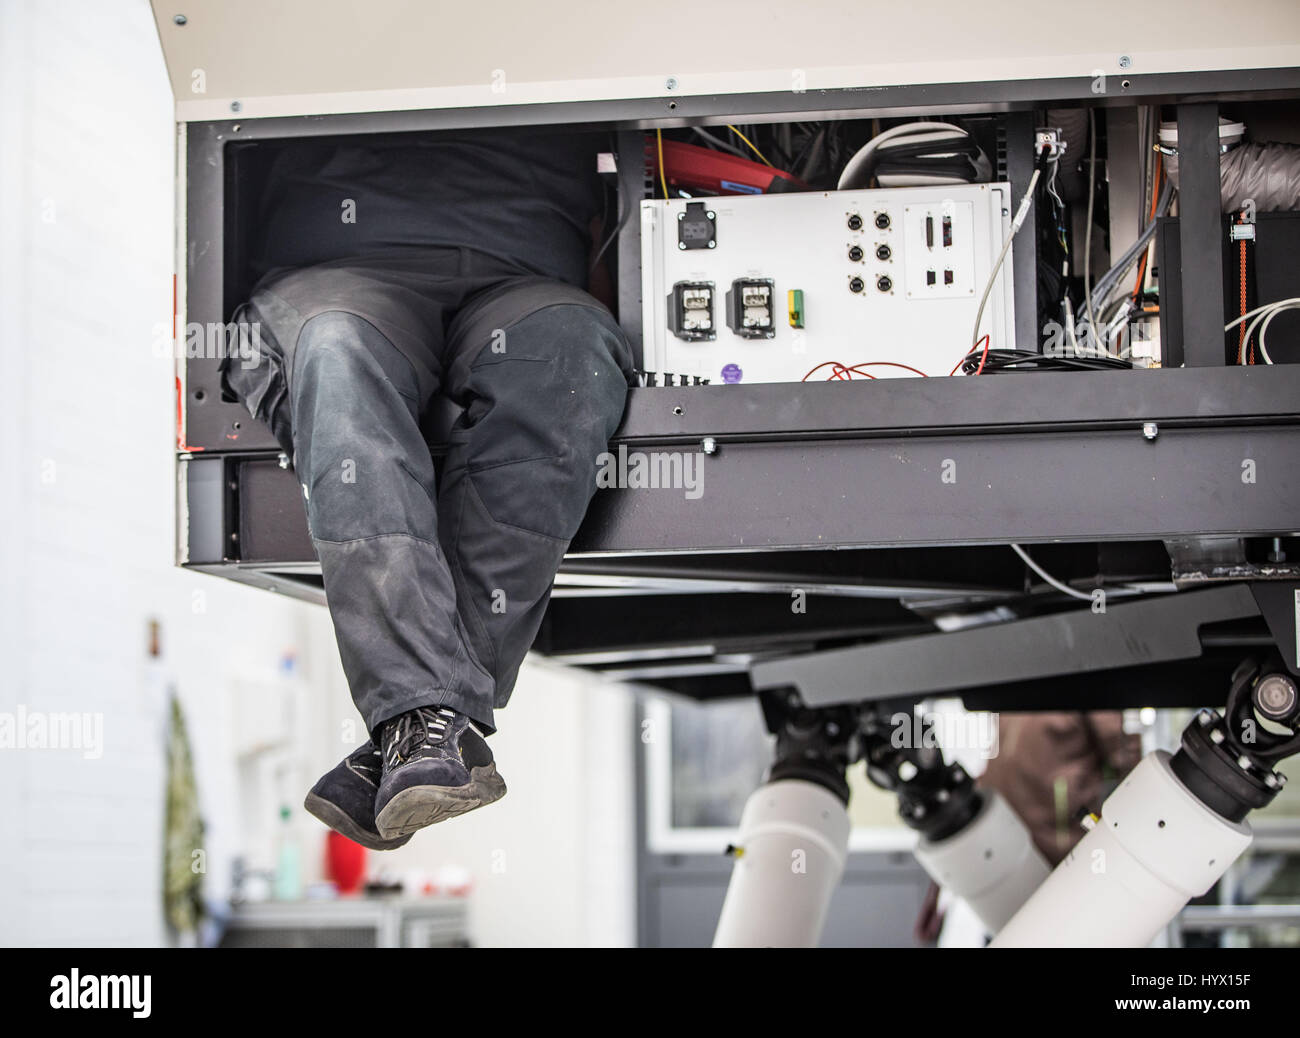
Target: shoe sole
416	807
340	822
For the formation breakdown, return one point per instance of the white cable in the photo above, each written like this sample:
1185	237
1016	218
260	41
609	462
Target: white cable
1262	322
1087	233
1241	353
1263	331
1047	576
1021	213
1250	330
1069	325
1051	188
1259	309
860	158
1260	313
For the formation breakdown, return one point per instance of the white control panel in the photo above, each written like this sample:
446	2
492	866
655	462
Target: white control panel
764	288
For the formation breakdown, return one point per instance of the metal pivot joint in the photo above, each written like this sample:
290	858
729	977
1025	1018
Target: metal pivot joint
1227	761
934	798
815	745
819	744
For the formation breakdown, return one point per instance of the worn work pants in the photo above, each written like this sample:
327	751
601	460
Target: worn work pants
436	591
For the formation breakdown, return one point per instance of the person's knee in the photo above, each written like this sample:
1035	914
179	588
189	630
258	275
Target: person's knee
364	467
331	345
591	335
545	408
344	368
587	363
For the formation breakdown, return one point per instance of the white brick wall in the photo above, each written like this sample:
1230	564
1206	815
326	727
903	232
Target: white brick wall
86	539
86	524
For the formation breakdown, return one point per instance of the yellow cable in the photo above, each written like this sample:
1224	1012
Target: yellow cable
750	143
659	136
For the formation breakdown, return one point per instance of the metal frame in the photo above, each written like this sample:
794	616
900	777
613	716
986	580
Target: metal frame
1154	630
1148	456
202	254
1096	459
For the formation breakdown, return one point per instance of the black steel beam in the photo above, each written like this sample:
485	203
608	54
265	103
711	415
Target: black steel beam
968	489
1006	403
1020	128
1200	235
1279	601
923	462
1179	683
891	492
726	622
631	191
1126	634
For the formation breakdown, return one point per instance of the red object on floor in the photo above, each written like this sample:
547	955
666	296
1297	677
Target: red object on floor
345	862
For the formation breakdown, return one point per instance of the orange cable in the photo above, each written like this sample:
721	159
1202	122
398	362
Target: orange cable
1241	336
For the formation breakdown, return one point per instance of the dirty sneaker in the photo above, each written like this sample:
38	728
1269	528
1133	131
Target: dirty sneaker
436	766
344	798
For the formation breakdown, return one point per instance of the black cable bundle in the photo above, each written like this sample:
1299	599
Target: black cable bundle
1001	361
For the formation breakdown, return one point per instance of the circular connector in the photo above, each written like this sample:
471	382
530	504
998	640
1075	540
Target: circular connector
883	252
884	282
856	284
1277	697
855	222
855	253
882	221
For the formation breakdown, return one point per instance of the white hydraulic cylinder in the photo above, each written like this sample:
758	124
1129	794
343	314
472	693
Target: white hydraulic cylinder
1155	847
794	838
992	863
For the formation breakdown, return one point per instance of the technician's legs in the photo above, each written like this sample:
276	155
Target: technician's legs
542	371
437	593
368	478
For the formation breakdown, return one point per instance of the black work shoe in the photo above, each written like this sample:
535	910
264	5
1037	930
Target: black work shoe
436	766
344	799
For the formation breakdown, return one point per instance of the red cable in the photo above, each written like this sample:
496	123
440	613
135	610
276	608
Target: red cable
885	364
982	339
840	374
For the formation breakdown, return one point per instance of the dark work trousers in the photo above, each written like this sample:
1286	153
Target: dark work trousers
436	591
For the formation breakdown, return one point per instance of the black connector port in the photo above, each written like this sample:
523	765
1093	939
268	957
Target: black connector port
750	308
690	311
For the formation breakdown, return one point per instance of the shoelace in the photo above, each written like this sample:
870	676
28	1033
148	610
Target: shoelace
404	737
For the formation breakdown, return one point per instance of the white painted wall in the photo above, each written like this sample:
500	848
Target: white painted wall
86	541
86	525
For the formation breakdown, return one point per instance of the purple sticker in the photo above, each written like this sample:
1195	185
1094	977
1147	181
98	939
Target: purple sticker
732	374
